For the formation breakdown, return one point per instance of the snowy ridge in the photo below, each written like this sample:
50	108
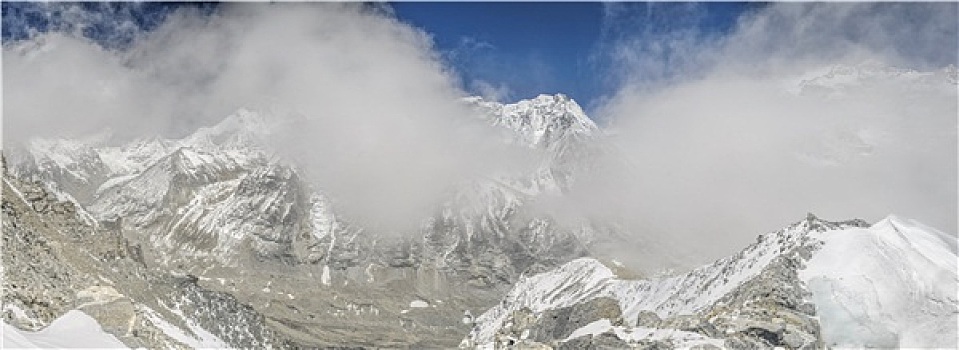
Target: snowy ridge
924	261
170	186
92	160
145	191
135	157
543	121
238	134
575	282
702	287
73	158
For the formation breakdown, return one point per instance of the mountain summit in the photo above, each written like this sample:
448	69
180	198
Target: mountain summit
542	121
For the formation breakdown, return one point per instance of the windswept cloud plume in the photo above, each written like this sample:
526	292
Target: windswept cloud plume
784	36
653	42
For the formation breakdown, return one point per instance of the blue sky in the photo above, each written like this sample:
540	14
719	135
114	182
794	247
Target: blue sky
531	48
512	50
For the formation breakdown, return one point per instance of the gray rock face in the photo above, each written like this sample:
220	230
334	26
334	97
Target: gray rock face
56	260
36	282
560	323
220	313
525	329
771	310
648	318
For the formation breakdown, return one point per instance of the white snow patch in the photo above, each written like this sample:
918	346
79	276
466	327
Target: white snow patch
75	329
369	273
175	332
325	278
593	328
106	185
680	339
203	337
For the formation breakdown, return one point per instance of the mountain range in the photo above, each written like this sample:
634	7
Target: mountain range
214	240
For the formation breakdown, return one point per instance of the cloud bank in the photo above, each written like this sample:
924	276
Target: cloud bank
733	145
379	126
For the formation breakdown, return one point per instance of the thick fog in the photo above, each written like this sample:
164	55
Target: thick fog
732	146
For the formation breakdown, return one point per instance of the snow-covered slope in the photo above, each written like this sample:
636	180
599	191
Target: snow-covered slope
74	329
891	284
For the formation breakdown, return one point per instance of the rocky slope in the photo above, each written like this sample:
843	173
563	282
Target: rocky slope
812	284
56	261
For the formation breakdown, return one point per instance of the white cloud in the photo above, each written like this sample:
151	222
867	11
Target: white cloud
490	91
383	131
729	152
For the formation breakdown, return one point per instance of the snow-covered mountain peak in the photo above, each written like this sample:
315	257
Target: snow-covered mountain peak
87	166
814	223
542	121
244	127
196	163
